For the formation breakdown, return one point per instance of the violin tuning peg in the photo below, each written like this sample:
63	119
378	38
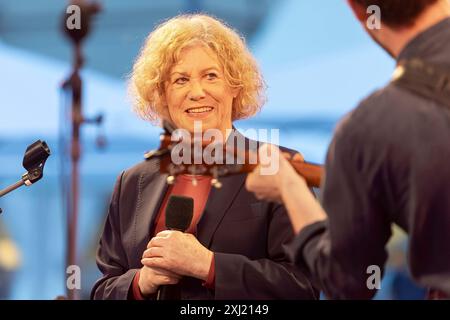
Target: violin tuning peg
170	179
216	183
149	154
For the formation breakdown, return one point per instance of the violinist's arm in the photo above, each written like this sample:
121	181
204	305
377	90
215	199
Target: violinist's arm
288	187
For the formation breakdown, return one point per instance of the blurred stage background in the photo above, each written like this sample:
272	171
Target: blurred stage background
316	59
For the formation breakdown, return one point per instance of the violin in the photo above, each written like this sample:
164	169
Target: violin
180	155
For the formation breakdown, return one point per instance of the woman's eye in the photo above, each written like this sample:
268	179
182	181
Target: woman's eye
211	76
181	80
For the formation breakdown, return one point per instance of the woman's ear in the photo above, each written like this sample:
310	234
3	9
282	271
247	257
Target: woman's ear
163	108
235	92
162	99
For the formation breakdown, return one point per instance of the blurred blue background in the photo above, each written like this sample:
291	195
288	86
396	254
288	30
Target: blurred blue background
316	60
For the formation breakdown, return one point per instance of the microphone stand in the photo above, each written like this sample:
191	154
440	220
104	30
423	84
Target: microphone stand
74	84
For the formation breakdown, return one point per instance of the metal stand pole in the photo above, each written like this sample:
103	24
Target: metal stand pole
74	83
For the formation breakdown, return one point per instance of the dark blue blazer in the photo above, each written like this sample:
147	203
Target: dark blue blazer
248	237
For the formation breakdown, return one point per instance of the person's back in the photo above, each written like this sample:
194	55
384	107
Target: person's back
387	163
407	139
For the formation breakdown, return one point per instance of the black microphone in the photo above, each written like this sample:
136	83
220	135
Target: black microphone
34	161
179	212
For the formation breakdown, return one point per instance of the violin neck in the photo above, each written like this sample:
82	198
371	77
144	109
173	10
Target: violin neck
311	172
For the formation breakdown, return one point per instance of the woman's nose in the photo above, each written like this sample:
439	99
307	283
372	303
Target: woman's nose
196	91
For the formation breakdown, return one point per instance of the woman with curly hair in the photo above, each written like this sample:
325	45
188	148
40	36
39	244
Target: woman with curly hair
194	68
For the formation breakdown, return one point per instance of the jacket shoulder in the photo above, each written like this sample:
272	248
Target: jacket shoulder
146	167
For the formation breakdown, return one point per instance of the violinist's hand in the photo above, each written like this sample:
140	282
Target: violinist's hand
285	186
266	181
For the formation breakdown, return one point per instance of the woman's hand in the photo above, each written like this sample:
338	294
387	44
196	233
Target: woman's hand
179	252
151	278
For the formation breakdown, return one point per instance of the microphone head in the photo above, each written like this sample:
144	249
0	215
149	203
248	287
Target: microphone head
179	212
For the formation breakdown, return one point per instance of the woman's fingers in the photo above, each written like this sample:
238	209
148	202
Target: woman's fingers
165	272
293	157
153	252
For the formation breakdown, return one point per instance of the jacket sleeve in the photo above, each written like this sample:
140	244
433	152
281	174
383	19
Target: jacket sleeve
274	277
111	258
346	254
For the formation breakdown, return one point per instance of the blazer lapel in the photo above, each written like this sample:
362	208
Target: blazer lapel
219	201
151	190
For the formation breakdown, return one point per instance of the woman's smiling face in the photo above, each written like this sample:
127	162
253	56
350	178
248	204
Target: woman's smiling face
196	90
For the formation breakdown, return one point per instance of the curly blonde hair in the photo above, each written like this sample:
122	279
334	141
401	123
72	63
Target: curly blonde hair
162	49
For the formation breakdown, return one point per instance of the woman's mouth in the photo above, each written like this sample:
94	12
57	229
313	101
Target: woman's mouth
199	110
